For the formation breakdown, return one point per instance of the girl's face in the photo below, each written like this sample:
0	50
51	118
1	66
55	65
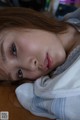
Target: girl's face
30	53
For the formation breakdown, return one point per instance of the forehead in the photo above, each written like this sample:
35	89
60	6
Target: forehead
9	31
4	34
9	34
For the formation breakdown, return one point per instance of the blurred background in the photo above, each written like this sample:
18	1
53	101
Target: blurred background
57	8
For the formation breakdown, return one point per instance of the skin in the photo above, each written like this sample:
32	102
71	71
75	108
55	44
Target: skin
24	52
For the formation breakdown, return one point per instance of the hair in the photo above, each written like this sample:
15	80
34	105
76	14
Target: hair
18	17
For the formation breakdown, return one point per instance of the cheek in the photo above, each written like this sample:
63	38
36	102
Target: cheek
32	48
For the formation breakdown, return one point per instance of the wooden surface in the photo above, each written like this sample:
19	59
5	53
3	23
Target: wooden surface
8	102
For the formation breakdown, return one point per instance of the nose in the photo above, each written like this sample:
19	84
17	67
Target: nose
33	64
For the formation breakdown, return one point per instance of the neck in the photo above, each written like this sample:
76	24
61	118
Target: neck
70	39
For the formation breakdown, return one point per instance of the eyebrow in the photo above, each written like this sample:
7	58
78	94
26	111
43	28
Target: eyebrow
2	52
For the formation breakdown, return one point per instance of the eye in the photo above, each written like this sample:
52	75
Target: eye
20	74
13	49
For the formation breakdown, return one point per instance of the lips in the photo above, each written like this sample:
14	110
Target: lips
47	62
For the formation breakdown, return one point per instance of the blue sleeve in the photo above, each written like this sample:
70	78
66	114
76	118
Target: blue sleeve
66	108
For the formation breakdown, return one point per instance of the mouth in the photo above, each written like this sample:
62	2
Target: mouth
47	62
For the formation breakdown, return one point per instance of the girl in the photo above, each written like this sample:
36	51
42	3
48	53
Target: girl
36	47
